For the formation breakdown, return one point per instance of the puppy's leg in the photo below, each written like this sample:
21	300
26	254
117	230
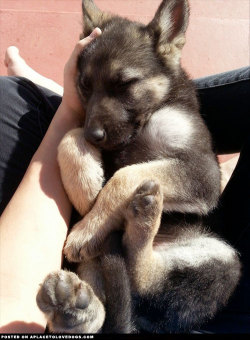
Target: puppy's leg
81	170
143	217
183	280
177	181
70	304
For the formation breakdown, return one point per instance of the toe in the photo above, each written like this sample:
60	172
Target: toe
149	187
148	200
11	54
72	253
83	297
63	290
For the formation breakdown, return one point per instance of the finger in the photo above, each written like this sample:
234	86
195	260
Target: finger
84	42
71	63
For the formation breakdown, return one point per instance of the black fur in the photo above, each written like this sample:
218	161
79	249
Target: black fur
119	313
185	301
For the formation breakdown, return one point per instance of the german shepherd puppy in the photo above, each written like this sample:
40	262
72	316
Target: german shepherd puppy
143	137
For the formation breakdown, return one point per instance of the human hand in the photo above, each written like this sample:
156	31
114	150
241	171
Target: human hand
71	100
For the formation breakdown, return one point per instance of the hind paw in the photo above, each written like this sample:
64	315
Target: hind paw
147	201
70	304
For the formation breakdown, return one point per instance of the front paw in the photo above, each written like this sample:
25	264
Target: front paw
74	247
81	244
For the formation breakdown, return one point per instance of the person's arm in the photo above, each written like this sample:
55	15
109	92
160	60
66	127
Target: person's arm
33	227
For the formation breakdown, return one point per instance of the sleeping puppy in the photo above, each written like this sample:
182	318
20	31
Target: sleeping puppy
144	149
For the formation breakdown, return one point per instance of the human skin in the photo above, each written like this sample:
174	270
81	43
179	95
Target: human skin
34	225
17	66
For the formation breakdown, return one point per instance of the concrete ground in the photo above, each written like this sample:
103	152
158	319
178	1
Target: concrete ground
46	30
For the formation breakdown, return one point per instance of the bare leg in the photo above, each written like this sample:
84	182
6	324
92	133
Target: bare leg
39	210
16	66
227	169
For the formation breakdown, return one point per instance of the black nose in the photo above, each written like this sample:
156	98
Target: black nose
95	135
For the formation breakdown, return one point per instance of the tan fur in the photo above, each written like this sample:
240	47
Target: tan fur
171	52
115	66
158	86
144	264
130	73
85	239
81	183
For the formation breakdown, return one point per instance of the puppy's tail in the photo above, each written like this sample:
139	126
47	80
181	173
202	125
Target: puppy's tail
118	296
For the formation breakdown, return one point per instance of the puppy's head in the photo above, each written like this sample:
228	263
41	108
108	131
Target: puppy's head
125	74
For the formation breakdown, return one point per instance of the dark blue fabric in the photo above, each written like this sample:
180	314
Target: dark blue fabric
231	220
25	113
225	107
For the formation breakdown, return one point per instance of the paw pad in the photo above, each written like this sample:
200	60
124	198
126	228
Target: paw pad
146	199
62	290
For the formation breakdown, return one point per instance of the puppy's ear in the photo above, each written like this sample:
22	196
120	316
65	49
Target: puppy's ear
92	17
168	27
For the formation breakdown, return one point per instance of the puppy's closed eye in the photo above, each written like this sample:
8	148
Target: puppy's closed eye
124	85
85	86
